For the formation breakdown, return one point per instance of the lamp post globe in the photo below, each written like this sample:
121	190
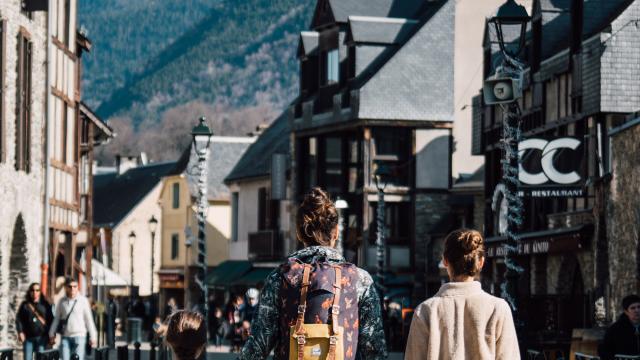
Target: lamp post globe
510	25
153	224
201	135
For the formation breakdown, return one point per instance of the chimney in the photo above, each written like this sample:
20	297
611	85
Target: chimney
144	159
124	163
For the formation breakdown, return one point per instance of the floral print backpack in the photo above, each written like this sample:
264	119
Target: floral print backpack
319	311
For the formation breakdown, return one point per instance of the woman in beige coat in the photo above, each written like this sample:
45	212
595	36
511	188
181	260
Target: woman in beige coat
462	322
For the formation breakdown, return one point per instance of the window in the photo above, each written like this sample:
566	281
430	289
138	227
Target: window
3	31
395	142
333	165
175	246
397	223
263	207
176	195
234	216
67	23
333	67
23	111
310	161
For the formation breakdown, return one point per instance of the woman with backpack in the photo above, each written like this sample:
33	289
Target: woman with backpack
33	320
316	305
462	322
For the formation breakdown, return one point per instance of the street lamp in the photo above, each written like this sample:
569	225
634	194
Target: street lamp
381	177
341	205
132	241
510	21
153	226
201	140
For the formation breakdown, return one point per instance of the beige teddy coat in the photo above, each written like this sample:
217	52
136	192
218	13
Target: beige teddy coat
462	322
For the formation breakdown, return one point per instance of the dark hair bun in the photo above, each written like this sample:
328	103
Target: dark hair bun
316	219
463	249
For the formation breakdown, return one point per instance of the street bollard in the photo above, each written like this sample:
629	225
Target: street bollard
136	350
52	354
152	353
101	353
6	354
123	352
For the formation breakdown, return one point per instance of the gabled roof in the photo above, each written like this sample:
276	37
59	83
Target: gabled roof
414	81
379	30
115	196
256	161
342	9
224	153
308	43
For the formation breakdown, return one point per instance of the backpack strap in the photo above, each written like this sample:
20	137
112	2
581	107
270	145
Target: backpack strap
335	311
302	308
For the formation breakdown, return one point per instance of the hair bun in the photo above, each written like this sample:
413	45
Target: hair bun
316	218
463	249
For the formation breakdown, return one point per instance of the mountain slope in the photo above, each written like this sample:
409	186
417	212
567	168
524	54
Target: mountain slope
242	54
128	34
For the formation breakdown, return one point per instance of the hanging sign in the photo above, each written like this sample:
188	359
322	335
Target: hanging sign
552	167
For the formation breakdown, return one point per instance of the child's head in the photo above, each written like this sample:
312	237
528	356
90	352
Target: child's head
186	334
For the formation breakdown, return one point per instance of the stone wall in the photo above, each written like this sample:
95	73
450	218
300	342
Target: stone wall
623	218
21	217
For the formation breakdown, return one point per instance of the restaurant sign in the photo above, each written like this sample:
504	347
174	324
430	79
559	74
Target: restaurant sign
543	242
552	167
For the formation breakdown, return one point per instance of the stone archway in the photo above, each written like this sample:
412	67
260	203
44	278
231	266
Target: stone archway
18	274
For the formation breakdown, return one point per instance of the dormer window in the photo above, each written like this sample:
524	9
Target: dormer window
333	67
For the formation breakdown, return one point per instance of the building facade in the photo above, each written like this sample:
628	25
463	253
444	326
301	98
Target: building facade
177	201
575	90
23	110
364	97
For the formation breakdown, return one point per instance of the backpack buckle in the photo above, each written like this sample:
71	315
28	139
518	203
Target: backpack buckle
302	309
333	340
335	309
301	340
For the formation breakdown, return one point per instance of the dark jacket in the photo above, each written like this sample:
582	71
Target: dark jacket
265	327
621	338
27	322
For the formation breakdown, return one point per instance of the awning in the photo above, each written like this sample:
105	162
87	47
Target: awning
103	276
254	277
552	241
227	273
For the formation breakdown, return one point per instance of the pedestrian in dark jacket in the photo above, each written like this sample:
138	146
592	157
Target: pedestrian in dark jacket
33	320
623	337
317	229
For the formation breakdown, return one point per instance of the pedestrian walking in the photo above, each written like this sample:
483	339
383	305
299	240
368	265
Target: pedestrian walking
251	307
218	327
33	321
623	337
170	308
73	321
316	305
462	322
112	315
186	334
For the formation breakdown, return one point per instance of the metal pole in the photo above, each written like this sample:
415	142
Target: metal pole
202	242
153	241
131	280
510	168
381	255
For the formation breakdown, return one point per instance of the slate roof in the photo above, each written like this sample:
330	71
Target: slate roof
309	41
379	30
114	196
342	9
414	81
256	161
224	153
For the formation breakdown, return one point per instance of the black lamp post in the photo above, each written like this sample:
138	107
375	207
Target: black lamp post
381	177
510	22
153	226
132	241
201	140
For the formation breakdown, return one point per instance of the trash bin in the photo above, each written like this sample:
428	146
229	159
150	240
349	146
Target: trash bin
134	329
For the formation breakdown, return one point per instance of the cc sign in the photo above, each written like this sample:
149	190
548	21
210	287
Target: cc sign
549	171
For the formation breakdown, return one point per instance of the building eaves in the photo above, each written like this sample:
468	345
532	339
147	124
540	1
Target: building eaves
409	9
309	42
256	161
379	30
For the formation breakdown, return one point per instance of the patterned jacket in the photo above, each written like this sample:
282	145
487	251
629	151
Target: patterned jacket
264	330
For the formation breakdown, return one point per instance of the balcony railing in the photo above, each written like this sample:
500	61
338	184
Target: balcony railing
570	219
265	245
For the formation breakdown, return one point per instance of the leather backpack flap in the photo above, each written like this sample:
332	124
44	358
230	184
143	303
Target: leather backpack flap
316	343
